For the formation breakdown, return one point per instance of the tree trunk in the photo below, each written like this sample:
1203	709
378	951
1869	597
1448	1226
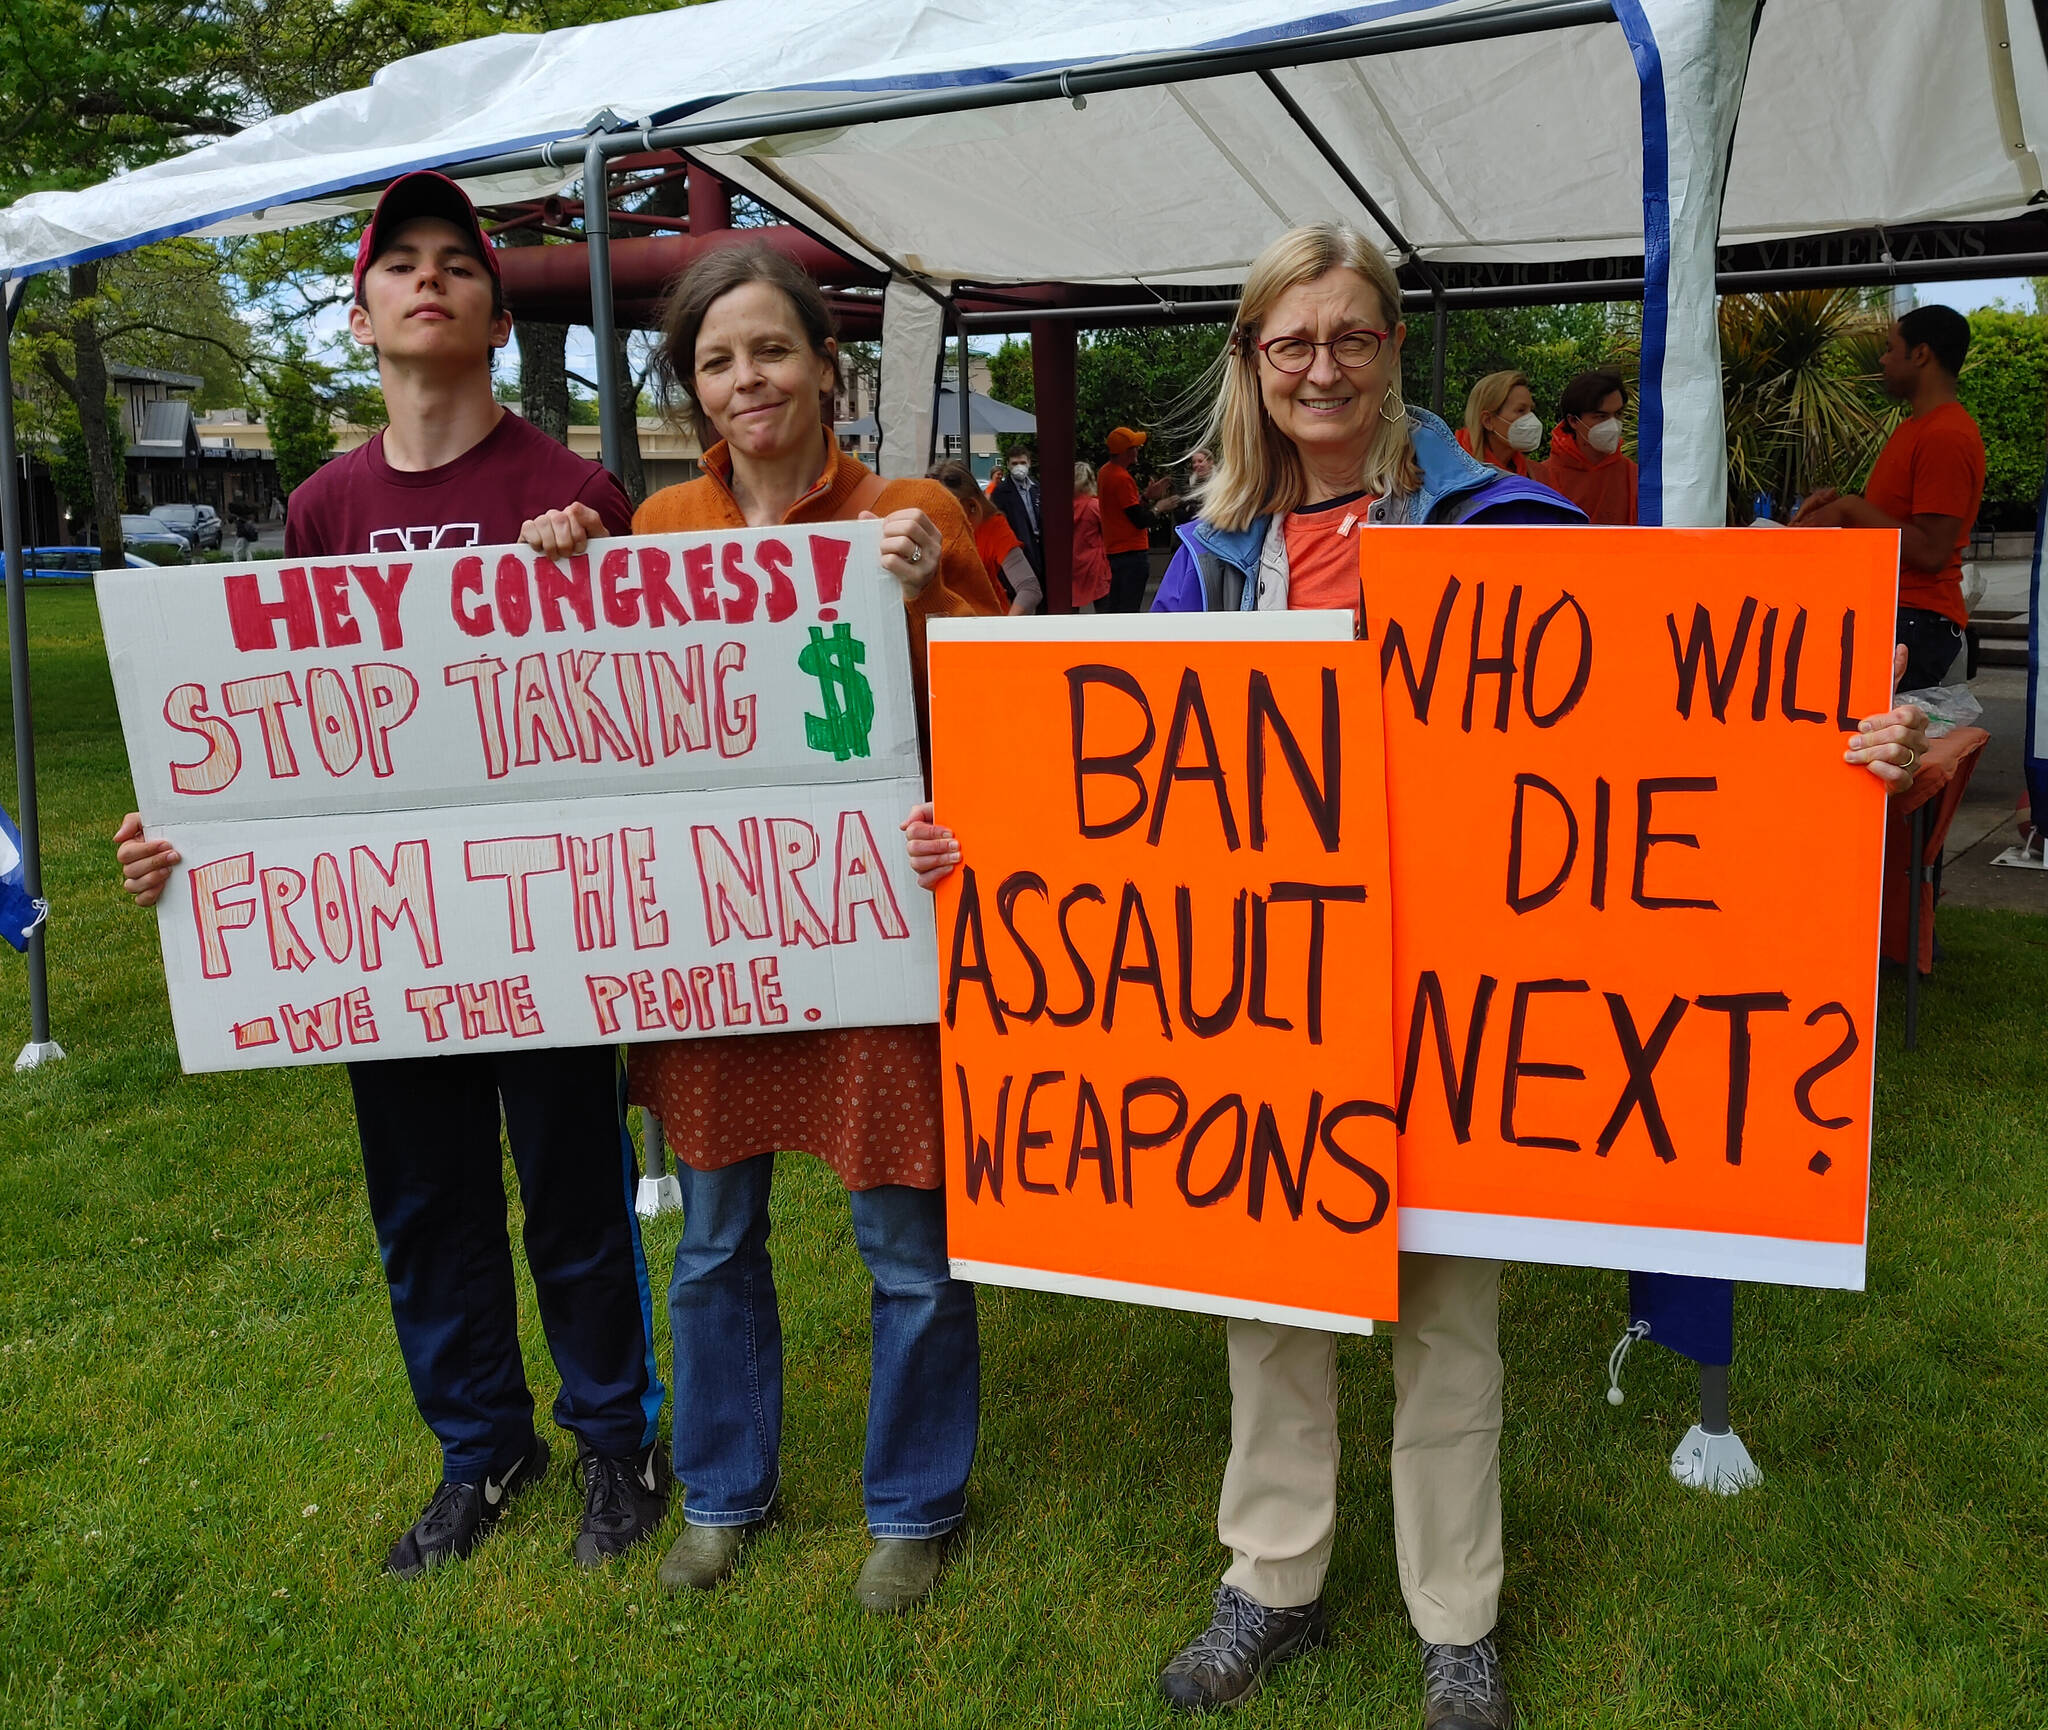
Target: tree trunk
634	472
543	375
89	374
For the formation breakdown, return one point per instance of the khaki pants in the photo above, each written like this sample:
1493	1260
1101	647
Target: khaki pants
1278	1512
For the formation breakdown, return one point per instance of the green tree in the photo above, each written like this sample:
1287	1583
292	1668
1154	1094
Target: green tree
1799	384
301	433
1147	378
1549	345
90	88
2004	385
162	306
70	462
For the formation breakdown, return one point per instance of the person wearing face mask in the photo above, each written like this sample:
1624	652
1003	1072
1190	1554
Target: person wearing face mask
1501	426
1586	461
1016	495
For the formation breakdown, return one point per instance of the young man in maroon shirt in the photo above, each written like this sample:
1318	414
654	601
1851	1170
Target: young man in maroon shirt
453	468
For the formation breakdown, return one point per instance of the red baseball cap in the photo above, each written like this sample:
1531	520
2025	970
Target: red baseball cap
422	193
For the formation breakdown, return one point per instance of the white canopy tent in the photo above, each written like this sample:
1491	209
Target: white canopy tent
1144	143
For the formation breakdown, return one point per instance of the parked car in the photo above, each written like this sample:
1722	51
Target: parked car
66	561
158	542
198	524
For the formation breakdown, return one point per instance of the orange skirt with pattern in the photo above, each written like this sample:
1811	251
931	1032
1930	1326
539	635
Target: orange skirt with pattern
865	1100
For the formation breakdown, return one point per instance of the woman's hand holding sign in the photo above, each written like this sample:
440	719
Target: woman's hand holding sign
911	548
933	851
1891	745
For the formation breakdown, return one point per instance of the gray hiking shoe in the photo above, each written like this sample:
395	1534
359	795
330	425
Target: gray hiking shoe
1225	1664
704	1555
898	1573
1463	1688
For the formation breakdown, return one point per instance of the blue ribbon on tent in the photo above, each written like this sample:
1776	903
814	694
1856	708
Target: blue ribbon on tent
1692	1317
2037	630
20	913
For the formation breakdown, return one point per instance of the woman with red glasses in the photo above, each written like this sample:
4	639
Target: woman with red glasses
1313	442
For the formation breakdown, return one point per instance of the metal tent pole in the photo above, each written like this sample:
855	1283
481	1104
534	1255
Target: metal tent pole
966	419
597	233
41	1048
1440	331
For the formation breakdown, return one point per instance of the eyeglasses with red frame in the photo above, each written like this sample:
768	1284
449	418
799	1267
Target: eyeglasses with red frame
1350	349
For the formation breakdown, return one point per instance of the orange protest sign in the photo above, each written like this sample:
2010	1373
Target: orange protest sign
1164	964
1636	891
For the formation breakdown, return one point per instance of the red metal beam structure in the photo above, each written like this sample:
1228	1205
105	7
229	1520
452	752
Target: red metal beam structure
1052	394
552	284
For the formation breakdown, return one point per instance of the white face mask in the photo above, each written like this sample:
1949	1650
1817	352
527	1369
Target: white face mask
1020	472
1605	436
1525	432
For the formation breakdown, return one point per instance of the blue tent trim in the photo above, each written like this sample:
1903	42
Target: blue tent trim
1693	1317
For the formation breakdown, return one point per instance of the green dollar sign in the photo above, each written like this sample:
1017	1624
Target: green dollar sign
849	715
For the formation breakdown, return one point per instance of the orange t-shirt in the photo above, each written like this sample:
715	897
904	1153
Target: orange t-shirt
1322	558
1932	466
1118	493
995	541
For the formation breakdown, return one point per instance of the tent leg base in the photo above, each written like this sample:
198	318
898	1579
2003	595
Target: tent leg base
658	1195
1714	1460
36	1053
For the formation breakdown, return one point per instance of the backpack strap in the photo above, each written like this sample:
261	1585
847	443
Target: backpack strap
867	495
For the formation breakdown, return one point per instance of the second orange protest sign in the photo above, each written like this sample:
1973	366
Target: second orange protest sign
1165	985
1635	891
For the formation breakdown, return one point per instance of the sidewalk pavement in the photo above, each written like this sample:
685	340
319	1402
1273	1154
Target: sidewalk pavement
1985	824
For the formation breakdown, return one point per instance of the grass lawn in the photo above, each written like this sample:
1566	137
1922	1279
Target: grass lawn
207	1442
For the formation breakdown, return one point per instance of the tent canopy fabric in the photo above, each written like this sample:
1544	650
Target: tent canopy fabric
1527	148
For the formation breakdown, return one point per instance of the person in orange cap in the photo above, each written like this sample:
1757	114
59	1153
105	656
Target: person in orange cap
1128	518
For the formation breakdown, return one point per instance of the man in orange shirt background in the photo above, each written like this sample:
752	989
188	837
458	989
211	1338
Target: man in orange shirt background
1128	518
1927	483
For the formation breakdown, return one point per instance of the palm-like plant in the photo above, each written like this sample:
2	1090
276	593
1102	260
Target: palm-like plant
1798	376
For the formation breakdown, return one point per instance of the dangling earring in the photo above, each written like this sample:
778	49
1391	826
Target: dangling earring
1400	413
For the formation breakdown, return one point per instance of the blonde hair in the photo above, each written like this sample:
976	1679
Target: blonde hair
1257	469
1084	480
1487	397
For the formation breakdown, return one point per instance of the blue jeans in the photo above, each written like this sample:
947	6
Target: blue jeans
924	1394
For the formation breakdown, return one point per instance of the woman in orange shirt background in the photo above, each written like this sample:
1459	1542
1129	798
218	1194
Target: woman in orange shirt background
1002	554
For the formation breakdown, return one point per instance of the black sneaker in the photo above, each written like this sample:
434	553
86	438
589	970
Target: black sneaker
1463	1688
460	1516
625	1499
1225	1663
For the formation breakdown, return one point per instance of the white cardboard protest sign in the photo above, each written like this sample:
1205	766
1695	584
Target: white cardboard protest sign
477	799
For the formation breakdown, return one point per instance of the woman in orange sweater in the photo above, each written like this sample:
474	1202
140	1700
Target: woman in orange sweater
747	344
